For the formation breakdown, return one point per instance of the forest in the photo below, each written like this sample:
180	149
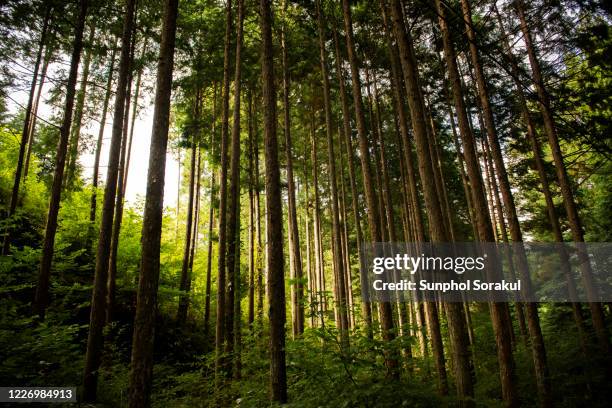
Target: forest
186	188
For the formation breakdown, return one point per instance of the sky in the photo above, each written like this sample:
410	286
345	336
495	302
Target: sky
137	176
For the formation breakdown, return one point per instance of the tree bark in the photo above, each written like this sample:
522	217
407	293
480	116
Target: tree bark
210	217
336	238
319	268
42	289
26	129
77	121
96	169
259	261
481	212
114	246
181	315
141	365
438	231
134	113
571	209
553	217
533	322
366	308
252	250
274	215
221	333
297	288
373	210
233	230
32	127
97	317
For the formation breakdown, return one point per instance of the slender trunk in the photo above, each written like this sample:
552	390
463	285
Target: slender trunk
385	187
564	182
485	230
309	252
141	365
366	308
274	215
390	216
134	113
32	128
533	322
183	305
220	337
345	240
96	169
373	210
319	270
77	122
42	289
178	195
252	250
400	102
210	217
196	214
438	232
553	217
259	262
434	151
233	230
114	246
297	288
337	240
26	127
493	188
376	130
97	316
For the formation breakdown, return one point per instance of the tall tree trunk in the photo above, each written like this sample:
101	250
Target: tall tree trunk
438	232
496	204
565	184
181	315
233	230
141	365
400	102
274	214
337	240
259	262
96	169
297	288
417	221
533	322
434	151
390	216
481	212
196	213
345	239
178	195
553	217
114	246
134	113
26	128
319	269
42	289
366	308
97	317
373	210
309	249
32	127
252	250
77	121
220	337
210	217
